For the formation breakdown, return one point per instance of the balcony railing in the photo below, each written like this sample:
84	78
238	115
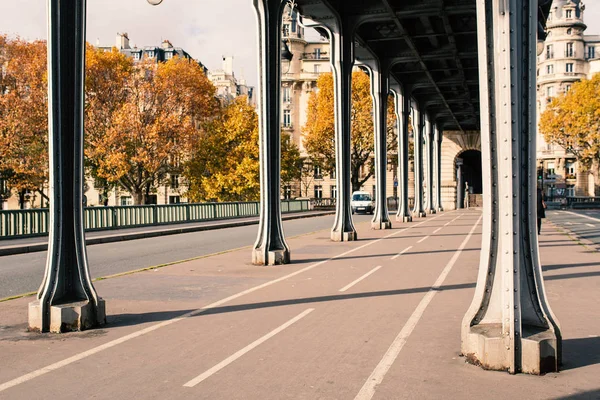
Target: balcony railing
35	222
315	56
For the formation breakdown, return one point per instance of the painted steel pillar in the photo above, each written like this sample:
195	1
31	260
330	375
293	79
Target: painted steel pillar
270	247
509	325
437	142
460	186
342	60
66	300
429	142
402	109
420	118
380	82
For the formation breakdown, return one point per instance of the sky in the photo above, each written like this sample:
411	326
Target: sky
206	29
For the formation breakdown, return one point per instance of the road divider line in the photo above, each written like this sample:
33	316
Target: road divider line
437	230
402	252
115	342
591	226
449	222
348	286
368	390
582	216
423	239
207	374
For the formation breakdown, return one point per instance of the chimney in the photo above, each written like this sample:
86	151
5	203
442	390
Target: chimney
166	44
228	65
122	41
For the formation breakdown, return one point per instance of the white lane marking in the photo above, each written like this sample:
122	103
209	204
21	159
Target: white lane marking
437	230
246	349
348	286
449	222
113	343
582	216
423	239
591	226
402	252
368	390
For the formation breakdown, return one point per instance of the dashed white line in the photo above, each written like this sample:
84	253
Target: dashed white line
348	286
423	239
402	252
583	216
67	361
591	226
368	390
437	230
246	349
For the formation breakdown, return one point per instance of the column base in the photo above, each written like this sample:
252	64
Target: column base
381	225
403	218
422	214
68	317
337	236
431	211
273	257
485	346
440	209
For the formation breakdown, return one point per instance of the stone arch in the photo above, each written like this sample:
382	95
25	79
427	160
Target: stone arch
454	144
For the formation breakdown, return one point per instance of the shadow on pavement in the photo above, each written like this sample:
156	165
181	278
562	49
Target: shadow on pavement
591	395
559	266
581	352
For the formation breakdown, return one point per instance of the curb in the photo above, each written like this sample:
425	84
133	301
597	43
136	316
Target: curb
37	247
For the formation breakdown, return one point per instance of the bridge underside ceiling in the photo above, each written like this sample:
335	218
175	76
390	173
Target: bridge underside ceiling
431	45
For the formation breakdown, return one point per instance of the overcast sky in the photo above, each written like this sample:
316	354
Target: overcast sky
207	29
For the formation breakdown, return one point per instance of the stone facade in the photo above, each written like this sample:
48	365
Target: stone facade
568	56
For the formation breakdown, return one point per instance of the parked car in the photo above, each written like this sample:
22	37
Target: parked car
362	202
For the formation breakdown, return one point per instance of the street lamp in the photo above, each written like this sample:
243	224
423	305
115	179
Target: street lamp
155	2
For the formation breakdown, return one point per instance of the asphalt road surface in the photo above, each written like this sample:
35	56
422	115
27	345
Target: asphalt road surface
23	273
583	223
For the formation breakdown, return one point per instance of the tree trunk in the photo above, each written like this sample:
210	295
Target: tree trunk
138	196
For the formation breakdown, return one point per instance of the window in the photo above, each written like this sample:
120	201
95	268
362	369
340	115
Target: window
286	94
333	192
569	67
287	192
569	31
567	88
174	181
168	55
317	68
126	201
570	167
570	52
550	91
294	25
318	53
332	174
550	169
570	190
549	52
150	54
287	118
136	56
318	192
569	13
549	69
317	172
591	52
174	199
286	29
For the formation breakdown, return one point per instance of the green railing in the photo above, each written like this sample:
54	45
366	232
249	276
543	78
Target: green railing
35	222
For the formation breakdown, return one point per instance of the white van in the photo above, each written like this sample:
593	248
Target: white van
362	202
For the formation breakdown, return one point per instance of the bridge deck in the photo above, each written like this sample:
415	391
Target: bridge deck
308	330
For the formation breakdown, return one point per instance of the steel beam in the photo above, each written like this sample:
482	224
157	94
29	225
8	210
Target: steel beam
66	300
402	110
509	325
429	143
419	116
380	82
270	247
437	142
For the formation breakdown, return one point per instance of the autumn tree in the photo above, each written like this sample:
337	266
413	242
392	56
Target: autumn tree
572	120
319	131
152	122
225	165
23	115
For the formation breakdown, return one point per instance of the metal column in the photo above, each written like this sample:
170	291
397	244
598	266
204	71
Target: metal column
270	247
509	325
429	142
420	122
402	108
380	81
460	185
437	142
66	300
342	61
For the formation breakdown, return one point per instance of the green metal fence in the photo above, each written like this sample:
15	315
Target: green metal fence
35	222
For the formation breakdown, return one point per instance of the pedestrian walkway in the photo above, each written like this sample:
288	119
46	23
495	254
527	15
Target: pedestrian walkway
377	318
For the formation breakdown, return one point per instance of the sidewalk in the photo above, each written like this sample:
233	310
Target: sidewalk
220	328
35	244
